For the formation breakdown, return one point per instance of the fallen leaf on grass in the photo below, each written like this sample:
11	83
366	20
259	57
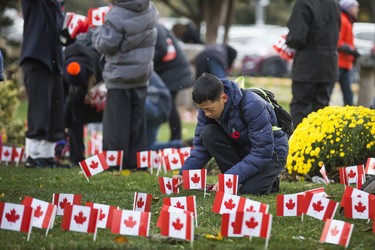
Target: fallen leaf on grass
213	237
176	172
121	239
125	172
155	198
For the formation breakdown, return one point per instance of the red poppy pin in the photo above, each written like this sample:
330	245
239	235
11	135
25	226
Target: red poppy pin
235	134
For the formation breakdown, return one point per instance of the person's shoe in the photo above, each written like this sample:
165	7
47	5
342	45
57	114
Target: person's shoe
55	164
35	163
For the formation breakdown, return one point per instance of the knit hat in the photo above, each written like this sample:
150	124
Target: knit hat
75	73
347	4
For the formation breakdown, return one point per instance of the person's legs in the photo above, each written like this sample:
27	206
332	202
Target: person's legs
300	105
344	80
322	95
174	119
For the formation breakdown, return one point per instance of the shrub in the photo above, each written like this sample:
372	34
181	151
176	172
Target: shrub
333	136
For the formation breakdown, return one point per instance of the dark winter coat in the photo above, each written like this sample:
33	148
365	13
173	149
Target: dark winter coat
175	73
43	22
314	27
258	138
127	39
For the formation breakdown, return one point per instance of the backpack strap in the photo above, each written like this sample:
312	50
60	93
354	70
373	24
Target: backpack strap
274	128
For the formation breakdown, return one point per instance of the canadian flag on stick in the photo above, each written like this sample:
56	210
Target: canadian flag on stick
352	174
318	207
289	204
105	213
79	218
173	161
16	217
142	202
324	174
168	208
227	203
128	222
195	179
6	154
96	15
185	202
143	159
359	207
177	225
252	206
370	166
44	212
228	183
167	185
17	155
352	192
94	165
337	232
114	158
60	200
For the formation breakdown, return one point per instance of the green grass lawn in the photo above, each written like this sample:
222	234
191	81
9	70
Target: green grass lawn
114	189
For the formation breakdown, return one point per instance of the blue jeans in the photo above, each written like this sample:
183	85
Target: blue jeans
213	67
345	83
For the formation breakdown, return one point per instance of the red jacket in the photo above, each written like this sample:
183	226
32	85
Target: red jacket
346	38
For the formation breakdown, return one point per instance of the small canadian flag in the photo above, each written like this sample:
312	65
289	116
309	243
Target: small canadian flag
324	174
6	154
228	183
168	185
289	204
79	218
337	232
114	158
142	202
94	165
61	200
318	207
16	217
167	208
252	206
359	207
177	225
74	22
173	161
370	166
17	154
44	212
155	160
128	222
194	179
105	213
227	203
184	202
353	192
352	174
168	151
143	159
96	15
317	191
185	152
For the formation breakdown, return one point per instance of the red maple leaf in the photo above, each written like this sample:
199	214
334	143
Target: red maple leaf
195	178
186	154
177	225
250	209
130	222
168	185
144	158
80	219
251	223
351	174
6	153
101	215
111	158
94	164
334	231
12	216
229	204
97	17
178	205
359	196
360	208
318	206
229	183
290	204
140	202
156	160
64	202
38	212
174	161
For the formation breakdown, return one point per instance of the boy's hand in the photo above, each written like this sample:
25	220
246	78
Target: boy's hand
180	181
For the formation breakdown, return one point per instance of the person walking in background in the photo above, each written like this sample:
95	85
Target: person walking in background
250	149
127	39
173	67
215	59
314	27
347	51
41	63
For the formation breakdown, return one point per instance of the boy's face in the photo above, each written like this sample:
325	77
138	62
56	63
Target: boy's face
214	109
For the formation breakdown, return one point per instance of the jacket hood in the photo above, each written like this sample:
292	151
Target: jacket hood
134	5
234	94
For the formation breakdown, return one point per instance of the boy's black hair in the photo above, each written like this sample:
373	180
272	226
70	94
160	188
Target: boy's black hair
207	88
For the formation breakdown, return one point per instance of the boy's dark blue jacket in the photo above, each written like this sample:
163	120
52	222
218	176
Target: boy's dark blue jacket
262	143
